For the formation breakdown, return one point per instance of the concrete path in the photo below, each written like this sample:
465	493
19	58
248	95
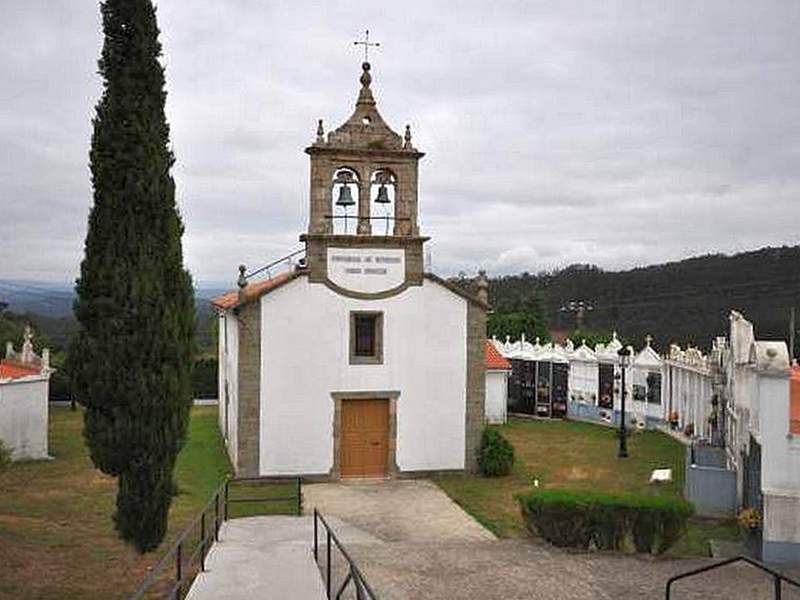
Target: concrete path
261	557
415	511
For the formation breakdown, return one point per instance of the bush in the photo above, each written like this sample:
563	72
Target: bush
612	521
496	454
5	456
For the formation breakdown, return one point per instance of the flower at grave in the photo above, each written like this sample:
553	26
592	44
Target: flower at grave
749	519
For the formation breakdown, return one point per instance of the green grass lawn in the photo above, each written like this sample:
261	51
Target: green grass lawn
57	539
569	454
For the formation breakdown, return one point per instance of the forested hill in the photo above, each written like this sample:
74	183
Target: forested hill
686	301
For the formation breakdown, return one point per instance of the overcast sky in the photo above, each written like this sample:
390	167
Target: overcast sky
614	133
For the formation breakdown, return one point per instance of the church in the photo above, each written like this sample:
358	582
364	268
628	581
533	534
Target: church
356	362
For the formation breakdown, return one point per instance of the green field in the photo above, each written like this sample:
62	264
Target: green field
57	539
568	454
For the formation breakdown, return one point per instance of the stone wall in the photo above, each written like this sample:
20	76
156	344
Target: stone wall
476	383
249	378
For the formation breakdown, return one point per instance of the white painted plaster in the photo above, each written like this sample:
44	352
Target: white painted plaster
229	381
23	416
496	396
305	357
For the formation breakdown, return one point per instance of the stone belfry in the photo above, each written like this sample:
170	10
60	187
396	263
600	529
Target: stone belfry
363	195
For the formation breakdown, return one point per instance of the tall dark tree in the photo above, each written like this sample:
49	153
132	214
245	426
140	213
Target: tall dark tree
135	307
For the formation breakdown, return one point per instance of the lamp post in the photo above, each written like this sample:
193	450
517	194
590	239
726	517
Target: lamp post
623	365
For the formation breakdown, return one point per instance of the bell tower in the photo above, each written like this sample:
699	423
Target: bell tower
363	235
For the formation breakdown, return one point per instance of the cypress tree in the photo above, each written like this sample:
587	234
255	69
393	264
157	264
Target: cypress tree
135	304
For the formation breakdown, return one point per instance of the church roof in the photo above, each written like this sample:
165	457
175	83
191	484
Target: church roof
13	370
494	360
252	291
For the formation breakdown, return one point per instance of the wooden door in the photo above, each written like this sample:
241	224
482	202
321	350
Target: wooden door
365	438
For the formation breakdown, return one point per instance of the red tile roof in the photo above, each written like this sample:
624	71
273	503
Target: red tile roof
13	370
794	401
252	291
494	360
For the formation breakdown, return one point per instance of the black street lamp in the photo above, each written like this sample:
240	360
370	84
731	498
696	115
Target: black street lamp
624	358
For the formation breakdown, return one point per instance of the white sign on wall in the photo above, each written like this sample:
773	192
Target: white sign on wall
367	270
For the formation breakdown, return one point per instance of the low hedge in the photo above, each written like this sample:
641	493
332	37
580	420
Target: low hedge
610	521
496	454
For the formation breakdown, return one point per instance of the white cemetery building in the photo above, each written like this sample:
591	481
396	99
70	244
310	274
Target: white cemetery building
356	362
688	390
24	385
551	380
762	445
498	370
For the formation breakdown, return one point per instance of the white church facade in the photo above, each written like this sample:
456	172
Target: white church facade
355	362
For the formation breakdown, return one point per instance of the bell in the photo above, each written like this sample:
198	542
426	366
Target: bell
345	197
383	196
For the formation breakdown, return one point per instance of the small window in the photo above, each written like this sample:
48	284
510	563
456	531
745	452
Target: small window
366	338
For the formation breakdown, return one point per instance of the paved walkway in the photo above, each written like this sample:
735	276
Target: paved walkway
411	510
268	558
416	543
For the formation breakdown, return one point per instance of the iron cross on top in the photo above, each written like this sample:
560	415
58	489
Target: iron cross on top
366	43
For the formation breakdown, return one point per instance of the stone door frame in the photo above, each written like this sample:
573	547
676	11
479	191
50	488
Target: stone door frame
338	397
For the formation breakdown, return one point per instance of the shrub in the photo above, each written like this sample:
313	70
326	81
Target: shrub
496	454
612	521
5	456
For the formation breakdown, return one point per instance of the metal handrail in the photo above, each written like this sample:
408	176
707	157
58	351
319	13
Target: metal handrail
354	575
274	263
176	550
778	578
220	501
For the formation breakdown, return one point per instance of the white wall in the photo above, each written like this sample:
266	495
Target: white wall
780	450
583	382
780	464
496	396
23	417
305	357
228	374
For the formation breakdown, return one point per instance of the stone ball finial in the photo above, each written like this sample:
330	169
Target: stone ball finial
242	280
366	78
407	138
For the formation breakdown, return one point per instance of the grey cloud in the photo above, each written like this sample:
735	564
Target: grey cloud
617	133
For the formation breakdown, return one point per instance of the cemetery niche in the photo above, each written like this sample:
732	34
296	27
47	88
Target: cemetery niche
557	381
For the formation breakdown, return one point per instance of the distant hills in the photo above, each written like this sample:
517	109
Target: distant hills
49	307
686	301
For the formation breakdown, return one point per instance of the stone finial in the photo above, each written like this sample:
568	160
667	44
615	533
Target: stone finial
648	339
27	355
407	139
9	350
242	281
483	287
45	358
320	132
366	78
365	95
